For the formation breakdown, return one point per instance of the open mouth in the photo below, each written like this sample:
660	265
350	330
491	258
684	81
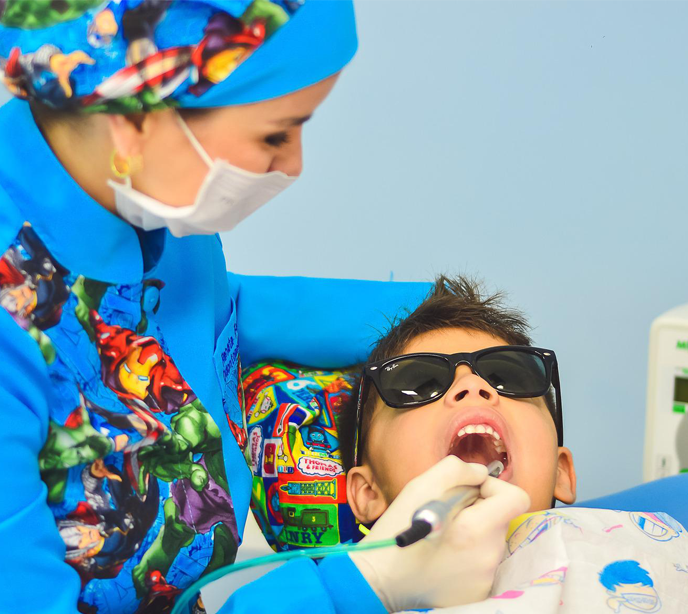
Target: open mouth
479	443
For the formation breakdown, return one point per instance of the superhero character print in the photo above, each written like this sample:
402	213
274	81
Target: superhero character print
32	287
133	461
121	57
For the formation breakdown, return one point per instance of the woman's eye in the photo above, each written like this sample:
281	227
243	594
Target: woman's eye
277	139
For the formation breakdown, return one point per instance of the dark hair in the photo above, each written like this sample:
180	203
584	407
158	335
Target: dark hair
458	302
47	117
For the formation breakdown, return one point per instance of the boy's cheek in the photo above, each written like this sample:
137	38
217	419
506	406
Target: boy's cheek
541	499
389	454
401	467
402	460
536	474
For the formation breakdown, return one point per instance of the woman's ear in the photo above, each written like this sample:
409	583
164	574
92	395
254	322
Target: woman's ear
565	487
364	495
128	132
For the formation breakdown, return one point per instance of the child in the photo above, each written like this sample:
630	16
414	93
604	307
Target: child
459	377
472	419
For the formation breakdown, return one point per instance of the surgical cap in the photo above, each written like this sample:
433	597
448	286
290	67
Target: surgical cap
124	56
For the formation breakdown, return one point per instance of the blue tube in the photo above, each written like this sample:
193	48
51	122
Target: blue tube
190	595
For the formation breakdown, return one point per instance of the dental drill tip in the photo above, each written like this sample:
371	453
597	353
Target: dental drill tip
495	468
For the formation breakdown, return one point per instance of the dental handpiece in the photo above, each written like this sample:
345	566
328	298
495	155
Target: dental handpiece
433	516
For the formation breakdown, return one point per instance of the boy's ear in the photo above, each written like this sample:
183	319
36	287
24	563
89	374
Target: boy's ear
364	495
565	487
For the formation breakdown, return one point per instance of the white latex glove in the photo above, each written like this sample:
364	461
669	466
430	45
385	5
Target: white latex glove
456	566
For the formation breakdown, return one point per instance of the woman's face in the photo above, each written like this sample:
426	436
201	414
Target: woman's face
260	137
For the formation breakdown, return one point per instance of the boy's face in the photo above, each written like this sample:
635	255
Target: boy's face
402	444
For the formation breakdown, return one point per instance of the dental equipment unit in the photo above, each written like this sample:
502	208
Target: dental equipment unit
666	427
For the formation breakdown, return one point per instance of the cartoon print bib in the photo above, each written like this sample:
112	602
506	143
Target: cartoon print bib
590	561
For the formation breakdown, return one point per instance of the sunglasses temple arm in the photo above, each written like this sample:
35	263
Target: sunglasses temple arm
359	408
560	415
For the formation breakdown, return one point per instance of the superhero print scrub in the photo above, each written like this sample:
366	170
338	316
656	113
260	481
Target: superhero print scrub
124	477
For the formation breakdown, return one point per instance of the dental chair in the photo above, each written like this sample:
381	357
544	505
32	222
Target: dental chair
668	495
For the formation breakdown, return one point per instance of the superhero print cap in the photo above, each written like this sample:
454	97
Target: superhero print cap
125	56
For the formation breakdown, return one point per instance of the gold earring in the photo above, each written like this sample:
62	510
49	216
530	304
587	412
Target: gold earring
125	167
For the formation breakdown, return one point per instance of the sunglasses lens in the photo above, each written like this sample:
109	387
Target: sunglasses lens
516	372
413	380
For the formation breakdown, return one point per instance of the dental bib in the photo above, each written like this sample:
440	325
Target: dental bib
589	561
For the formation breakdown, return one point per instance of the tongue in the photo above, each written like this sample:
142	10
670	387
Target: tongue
476	448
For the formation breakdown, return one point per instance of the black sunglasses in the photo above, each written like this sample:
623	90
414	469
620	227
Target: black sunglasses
414	380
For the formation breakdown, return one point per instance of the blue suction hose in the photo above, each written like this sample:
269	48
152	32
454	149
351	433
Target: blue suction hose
428	519
185	601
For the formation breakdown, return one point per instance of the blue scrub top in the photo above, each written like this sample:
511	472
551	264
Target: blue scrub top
124	477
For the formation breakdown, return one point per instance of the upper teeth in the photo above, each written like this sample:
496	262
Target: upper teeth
469	429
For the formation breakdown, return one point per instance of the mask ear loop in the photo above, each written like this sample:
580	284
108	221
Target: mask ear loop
194	141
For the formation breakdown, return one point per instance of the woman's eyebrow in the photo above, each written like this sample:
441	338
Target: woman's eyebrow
293	121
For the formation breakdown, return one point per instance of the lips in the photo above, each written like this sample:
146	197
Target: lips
478	436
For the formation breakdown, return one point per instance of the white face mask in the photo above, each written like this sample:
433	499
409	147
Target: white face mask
228	195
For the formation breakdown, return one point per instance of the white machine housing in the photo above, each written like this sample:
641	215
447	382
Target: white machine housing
666	428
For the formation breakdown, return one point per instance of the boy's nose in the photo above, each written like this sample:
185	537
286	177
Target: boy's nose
466	384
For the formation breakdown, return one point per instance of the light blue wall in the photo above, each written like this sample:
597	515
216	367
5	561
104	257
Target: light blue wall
541	145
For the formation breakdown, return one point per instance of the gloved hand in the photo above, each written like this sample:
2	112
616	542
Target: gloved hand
456	566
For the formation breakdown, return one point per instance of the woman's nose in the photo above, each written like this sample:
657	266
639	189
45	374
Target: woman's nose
467	384
289	159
